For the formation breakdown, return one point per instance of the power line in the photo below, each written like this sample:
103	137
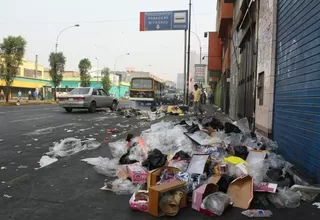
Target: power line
84	22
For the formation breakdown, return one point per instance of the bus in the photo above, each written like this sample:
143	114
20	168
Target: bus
146	90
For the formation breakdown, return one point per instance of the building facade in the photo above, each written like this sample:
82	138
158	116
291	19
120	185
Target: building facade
270	49
180	81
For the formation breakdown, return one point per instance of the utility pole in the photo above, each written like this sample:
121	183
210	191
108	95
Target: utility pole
188	65
36	67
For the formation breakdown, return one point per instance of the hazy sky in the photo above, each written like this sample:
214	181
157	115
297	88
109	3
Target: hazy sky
108	28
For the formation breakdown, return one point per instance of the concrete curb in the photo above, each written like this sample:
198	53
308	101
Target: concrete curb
27	103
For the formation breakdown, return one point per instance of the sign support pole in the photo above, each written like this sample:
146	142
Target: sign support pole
185	68
188	65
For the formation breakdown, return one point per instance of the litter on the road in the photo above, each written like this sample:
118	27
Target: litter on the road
1	140
317	204
22	167
46	160
70	146
7	196
202	160
3	168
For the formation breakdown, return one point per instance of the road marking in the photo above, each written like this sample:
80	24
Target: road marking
50	129
31	119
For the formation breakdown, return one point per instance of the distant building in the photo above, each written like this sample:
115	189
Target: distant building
170	84
180	81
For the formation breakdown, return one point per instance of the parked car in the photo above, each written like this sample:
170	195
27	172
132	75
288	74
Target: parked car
87	98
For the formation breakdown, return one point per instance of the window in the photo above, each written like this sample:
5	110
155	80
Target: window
80	91
95	92
260	87
142	84
102	92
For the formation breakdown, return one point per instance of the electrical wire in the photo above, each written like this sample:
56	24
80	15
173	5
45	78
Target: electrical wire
84	22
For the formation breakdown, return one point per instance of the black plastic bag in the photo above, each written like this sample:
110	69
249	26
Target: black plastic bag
241	151
156	159
182	155
231	128
224	183
279	177
212	122
124	159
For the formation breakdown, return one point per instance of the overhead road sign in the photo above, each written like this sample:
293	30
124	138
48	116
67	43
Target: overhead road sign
164	20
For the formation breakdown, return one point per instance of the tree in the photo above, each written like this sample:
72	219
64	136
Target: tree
106	82
12	52
84	67
57	61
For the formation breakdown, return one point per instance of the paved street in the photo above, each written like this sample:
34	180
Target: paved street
70	189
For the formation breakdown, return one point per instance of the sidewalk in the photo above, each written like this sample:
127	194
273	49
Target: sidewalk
25	102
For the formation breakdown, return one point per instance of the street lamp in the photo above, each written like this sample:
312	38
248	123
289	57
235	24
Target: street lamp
76	25
114	72
199	44
97	68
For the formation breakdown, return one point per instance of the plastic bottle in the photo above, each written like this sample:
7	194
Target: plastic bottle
257	213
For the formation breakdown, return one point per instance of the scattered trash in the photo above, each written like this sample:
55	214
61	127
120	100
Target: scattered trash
19	152
123	126
112	131
3	168
35	139
317	204
7	196
28	145
257	213
3	182
1	140
216	203
70	146
69	131
104	166
22	167
46	160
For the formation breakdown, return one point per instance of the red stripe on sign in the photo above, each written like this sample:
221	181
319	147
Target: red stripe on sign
142	22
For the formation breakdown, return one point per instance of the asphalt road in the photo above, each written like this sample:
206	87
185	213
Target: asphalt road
70	189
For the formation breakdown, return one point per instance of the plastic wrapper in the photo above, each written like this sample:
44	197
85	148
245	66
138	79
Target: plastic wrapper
231	128
216	203
241	151
167	176
122	187
236	171
258	171
233	140
285	198
181	165
277	162
70	146
257	213
117	148
161	126
107	167
243	125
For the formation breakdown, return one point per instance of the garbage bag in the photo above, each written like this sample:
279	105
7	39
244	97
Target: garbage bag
156	159
231	128
212	122
224	183
279	177
241	151
216	202
285	198
122	187
125	159
117	148
243	125
277	162
107	168
258	171
181	155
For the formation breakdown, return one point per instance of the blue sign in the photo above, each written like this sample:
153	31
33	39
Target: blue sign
164	20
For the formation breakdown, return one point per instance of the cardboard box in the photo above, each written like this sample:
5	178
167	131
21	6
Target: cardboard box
241	192
154	175
202	192
155	195
137	173
139	205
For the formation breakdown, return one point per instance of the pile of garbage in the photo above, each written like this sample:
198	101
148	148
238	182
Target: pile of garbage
205	162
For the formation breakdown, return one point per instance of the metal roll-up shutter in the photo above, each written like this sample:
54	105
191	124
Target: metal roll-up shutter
296	118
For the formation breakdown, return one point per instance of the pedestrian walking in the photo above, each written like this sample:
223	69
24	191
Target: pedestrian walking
1	94
34	95
29	95
19	97
39	95
197	100
210	94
